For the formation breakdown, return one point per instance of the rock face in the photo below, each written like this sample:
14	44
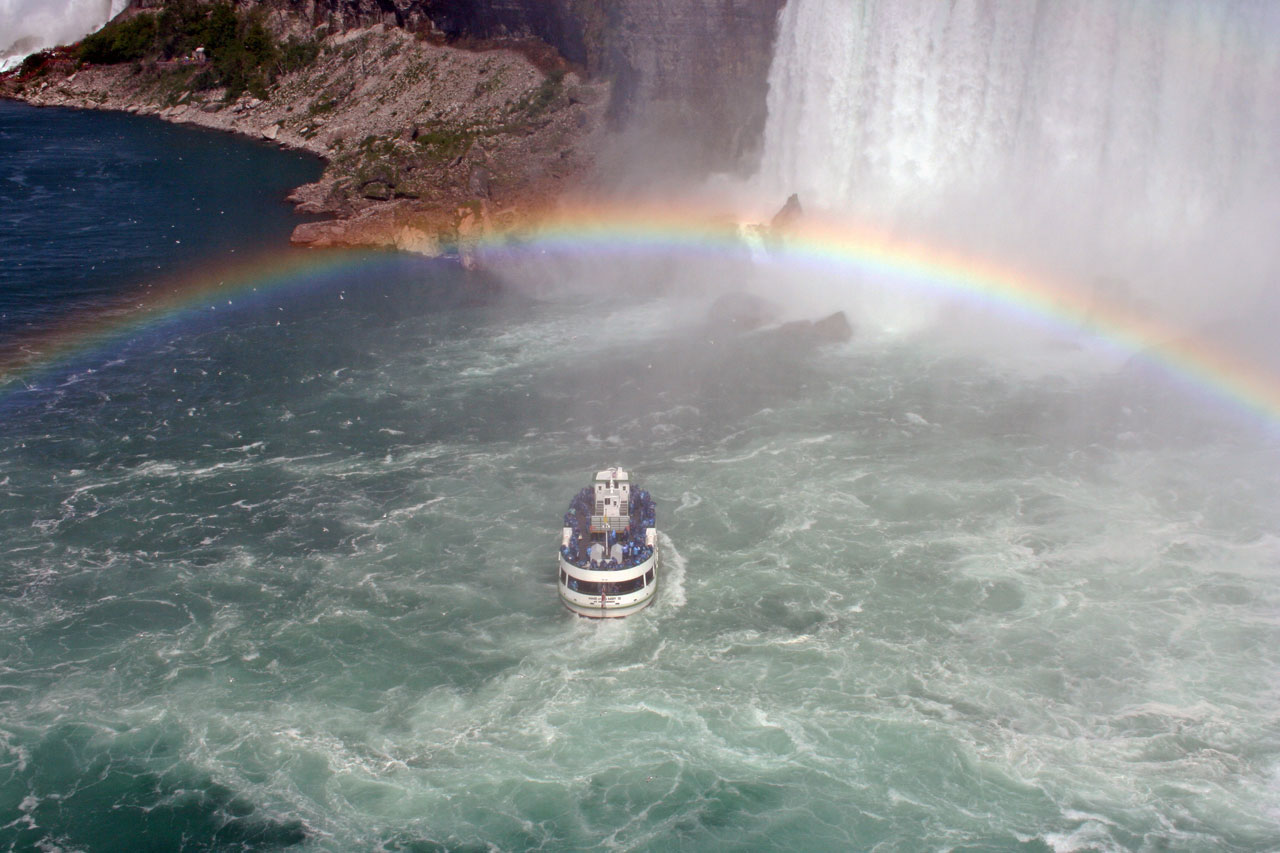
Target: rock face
832	329
776	232
692	70
740	311
788	215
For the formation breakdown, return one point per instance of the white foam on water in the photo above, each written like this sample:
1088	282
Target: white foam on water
673	574
867	631
688	500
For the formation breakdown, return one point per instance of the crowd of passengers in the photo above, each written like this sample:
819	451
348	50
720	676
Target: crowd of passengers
620	550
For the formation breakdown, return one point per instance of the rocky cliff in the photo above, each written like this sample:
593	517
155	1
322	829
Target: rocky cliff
694	71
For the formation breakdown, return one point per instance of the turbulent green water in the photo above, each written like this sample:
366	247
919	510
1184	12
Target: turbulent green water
285	578
282	574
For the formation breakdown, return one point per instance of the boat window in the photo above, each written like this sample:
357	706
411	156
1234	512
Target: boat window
624	587
648	577
607	587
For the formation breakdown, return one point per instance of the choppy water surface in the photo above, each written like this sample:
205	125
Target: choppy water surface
286	579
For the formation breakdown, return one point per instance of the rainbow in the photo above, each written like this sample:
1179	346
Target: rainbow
877	253
829	244
156	304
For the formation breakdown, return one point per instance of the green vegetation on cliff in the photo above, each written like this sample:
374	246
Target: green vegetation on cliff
120	41
241	53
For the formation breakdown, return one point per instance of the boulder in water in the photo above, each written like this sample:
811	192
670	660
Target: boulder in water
741	312
788	215
783	221
832	329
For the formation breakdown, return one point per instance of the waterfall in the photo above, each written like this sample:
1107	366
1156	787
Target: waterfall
1125	123
32	25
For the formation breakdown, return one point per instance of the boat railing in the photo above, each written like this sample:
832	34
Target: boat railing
635	529
643	555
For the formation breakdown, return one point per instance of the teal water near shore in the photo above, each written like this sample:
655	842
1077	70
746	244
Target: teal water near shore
283	577
93	204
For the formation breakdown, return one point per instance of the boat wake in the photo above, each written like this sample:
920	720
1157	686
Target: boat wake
673	571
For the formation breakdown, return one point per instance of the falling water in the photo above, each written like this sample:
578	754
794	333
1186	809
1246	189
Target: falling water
31	25
1143	136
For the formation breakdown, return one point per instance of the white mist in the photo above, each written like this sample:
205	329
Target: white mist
27	26
1126	140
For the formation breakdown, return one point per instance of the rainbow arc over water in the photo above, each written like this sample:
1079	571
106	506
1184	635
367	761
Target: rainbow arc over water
872	252
862	250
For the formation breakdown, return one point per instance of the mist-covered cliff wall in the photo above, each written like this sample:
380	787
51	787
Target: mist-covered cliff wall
697	69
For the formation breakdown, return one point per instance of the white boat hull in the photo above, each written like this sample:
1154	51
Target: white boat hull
584	591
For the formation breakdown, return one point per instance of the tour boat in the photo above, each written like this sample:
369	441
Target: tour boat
609	548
